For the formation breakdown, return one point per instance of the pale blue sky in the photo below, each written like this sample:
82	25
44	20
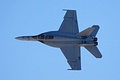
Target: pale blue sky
21	60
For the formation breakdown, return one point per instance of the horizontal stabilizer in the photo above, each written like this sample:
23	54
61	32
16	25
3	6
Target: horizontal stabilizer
86	32
92	31
96	28
94	51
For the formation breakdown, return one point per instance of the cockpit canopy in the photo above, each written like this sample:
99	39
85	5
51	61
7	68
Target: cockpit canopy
43	36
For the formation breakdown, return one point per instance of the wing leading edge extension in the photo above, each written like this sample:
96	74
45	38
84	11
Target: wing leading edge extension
73	57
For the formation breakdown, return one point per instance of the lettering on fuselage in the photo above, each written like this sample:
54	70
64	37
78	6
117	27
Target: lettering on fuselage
42	36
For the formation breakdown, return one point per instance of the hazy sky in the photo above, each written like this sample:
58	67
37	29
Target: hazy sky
22	60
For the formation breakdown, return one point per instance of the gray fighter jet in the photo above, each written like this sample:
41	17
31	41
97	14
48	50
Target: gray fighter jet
70	40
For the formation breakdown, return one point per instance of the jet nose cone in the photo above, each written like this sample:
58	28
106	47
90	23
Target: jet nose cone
25	38
18	38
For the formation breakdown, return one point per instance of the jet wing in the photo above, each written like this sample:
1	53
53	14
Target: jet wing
69	23
73	57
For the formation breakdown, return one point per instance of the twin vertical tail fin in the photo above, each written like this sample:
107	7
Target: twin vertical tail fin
92	31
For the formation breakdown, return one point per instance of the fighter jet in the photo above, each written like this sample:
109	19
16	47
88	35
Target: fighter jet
70	40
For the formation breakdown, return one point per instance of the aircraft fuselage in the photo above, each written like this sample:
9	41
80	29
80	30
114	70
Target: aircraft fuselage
56	39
